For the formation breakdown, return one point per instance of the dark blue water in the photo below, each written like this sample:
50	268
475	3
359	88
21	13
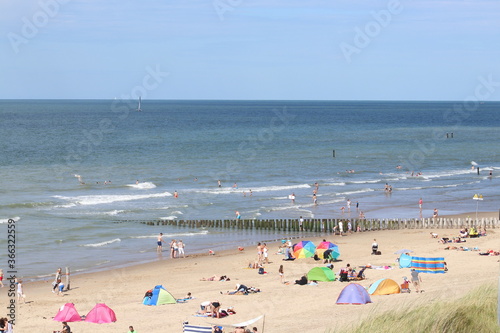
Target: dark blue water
273	148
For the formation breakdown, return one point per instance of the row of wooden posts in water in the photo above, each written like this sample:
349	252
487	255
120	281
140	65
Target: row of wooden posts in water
330	225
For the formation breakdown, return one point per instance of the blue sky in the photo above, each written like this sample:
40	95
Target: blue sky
249	49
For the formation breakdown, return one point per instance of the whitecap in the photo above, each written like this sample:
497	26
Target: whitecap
17	218
103	243
143	185
104	199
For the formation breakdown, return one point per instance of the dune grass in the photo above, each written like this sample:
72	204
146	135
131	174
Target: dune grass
476	312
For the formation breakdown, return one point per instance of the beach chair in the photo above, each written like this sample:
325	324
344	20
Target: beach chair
195	328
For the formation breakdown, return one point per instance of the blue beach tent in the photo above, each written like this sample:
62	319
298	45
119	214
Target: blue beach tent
404	261
159	296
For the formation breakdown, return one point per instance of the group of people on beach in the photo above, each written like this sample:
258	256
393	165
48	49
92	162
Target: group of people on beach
176	247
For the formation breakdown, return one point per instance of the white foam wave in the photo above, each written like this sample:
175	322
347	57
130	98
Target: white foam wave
104	199
356	192
66	205
178	212
335	184
254	189
114	212
17	218
143	185
366	181
172	217
200	233
103	243
460	172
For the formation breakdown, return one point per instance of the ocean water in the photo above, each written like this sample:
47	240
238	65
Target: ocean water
130	163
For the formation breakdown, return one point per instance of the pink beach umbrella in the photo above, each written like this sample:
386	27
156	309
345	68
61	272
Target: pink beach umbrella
67	313
101	314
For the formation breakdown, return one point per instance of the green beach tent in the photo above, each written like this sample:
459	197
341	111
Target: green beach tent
321	274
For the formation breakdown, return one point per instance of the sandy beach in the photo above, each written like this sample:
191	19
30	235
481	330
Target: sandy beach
286	306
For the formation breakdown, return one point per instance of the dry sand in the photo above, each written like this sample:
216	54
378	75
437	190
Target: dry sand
287	308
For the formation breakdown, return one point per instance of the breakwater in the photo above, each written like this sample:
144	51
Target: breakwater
331	225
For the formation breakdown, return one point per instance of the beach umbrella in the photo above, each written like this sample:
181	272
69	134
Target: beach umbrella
67	313
403	251
323	246
304	249
101	314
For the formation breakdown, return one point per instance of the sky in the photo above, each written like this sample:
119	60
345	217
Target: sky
250	49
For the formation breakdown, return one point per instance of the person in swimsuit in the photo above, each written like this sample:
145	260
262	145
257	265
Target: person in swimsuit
159	242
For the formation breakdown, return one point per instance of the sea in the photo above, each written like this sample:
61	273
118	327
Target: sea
78	176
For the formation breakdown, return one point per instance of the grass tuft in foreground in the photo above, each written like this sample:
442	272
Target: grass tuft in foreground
476	312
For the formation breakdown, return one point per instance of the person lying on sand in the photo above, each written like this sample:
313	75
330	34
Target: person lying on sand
490	253
241	289
216	278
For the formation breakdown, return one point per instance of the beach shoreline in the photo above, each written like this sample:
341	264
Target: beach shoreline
123	288
286	235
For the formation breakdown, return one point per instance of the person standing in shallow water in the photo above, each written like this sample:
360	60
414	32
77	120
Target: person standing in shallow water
159	243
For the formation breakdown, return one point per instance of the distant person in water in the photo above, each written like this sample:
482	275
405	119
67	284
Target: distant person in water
176	195
219	183
435	213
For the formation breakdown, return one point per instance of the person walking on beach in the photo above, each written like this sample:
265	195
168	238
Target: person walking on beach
20	293
259	253
159	243
301	223
57	279
281	272
265	254
416	279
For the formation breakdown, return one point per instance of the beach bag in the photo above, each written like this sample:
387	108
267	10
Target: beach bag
261	270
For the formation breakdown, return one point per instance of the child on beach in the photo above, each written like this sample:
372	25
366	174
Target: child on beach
131	329
281	273
60	288
20	293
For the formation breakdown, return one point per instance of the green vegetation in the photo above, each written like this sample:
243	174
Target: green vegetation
475	313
